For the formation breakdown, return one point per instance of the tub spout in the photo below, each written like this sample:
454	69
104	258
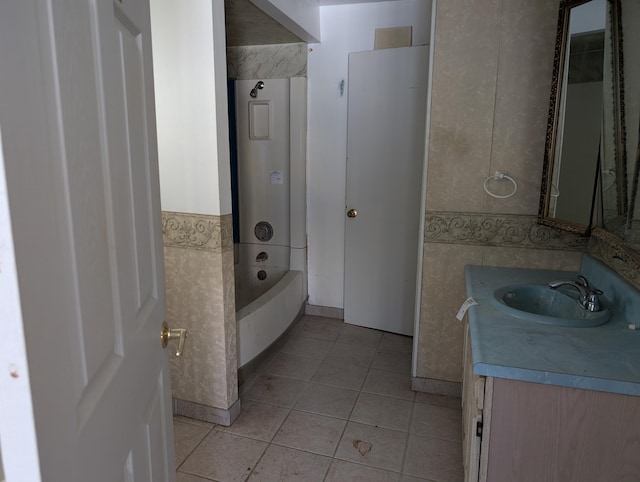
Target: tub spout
262	256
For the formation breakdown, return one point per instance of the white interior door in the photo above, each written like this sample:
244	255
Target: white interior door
385	156
84	380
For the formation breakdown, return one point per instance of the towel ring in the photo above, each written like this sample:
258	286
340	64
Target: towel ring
613	182
500	176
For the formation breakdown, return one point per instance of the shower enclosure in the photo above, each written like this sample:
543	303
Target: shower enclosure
268	183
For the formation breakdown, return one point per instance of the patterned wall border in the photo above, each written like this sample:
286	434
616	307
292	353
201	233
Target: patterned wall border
612	251
197	231
498	230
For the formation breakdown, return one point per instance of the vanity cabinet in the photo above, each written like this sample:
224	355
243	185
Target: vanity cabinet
523	431
476	401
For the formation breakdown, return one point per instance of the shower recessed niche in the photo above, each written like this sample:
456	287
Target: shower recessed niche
259	120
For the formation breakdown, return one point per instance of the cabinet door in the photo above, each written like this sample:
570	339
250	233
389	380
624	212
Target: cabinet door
472	405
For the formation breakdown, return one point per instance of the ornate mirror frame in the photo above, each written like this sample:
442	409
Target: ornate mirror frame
604	245
559	61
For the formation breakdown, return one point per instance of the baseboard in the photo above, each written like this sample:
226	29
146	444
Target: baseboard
439	387
326	311
206	413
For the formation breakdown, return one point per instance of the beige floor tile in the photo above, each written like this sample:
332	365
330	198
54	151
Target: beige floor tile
389	384
392	361
382	411
341	471
374	446
285	464
393	342
326	400
257	420
224	456
309	347
182	477
187	436
310	432
293	366
280	391
437	422
439	400
435	459
322	328
357	335
338	373
360	355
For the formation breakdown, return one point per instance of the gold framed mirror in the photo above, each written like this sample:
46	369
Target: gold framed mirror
583	130
608	153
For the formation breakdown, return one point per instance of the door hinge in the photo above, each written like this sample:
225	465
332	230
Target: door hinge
479	429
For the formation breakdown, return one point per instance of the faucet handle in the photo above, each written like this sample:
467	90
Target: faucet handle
584	282
593	303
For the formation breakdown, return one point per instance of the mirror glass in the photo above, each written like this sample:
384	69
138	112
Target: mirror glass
591	171
620	206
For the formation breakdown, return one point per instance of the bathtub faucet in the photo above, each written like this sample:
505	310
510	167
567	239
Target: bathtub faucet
262	256
588	295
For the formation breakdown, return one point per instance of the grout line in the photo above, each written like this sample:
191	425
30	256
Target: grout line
406	444
261	371
195	447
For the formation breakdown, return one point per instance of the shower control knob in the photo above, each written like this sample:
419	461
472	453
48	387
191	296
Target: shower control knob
352	213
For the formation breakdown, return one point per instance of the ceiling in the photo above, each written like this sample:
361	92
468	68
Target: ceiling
246	24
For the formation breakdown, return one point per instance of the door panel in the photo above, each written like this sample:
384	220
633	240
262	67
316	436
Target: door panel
385	154
82	177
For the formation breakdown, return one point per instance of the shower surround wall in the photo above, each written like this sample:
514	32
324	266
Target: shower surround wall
271	166
273	169
263	179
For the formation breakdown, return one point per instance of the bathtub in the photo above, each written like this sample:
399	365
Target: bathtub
264	320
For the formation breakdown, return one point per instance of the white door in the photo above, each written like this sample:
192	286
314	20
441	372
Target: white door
84	380
385	156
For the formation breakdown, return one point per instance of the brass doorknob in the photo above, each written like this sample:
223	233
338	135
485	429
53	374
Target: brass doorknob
352	213
167	334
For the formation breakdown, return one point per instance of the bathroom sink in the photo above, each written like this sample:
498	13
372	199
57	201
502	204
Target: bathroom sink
541	304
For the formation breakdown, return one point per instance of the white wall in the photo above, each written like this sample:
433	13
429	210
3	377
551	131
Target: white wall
189	58
344	29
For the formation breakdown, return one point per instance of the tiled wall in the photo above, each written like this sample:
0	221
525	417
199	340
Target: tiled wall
278	61
198	253
491	82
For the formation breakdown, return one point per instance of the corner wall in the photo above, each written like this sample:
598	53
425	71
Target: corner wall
191	105
491	81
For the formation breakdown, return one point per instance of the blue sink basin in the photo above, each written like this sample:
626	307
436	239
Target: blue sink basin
541	304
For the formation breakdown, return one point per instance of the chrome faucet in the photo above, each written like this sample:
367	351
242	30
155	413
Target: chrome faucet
588	295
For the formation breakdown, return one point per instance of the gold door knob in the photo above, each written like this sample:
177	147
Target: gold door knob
167	334
352	213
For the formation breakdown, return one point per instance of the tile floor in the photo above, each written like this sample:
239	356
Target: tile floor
331	403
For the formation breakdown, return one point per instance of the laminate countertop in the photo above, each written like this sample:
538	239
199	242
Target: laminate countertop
604	358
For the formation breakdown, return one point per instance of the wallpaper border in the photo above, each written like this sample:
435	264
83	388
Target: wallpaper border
197	231
486	229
